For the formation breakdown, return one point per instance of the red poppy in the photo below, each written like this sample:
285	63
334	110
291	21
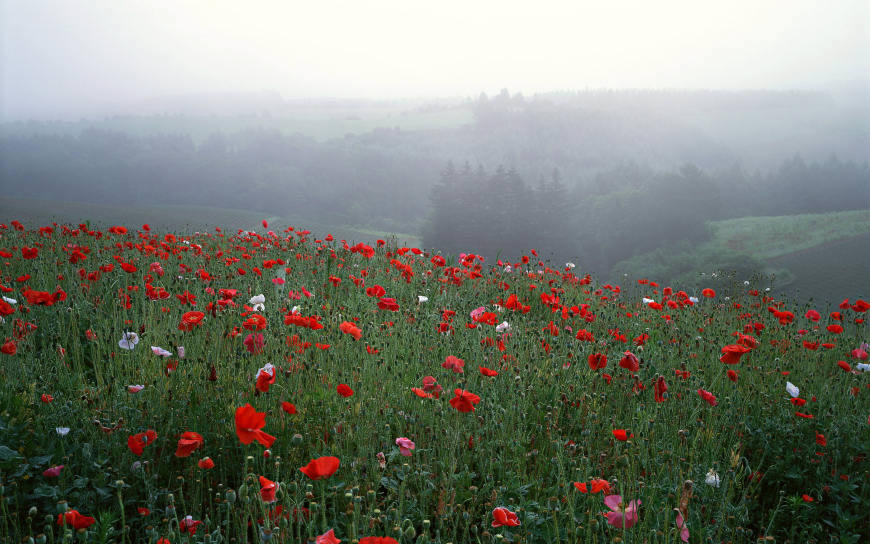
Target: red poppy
464	401
732	375
388	304
321	468
659	389
188	443
581	487
9	348
487	371
835	329
597	361
503	516
46	398
249	425
190	320
137	442
349	328
75	520
622	435
600	486
629	362
268	488
288	407
731	354
813	315
344	390
708	293
844	365
378	540
255	322
821	440
707	396
454	363
376	291
205	463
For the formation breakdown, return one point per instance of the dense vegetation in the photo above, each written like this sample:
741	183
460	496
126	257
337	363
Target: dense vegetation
463	401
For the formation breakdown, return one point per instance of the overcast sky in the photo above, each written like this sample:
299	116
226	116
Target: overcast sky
68	58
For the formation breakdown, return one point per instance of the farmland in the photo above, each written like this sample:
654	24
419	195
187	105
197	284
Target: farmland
278	385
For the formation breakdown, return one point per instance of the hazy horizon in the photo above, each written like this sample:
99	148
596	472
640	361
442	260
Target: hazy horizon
76	58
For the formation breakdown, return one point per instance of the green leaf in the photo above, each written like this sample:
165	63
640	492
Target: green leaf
8	454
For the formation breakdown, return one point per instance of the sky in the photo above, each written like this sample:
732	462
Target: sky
69	58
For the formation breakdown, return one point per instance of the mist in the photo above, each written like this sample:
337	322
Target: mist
80	58
662	139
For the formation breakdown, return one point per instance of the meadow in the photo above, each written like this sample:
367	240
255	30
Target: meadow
274	385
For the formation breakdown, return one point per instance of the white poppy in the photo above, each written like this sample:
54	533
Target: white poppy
694	300
181	352
792	390
135	388
62	431
502	327
421	299
10	300
570	265
129	340
863	366
648	300
712	478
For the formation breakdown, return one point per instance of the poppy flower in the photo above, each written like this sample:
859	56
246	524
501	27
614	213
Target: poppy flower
707	396
205	463
503	516
255	322
189	320
376	291
629	362
188	443
254	343
681	525
9	348
821	440
732	375
844	365
344	390
464	401
597	361
388	304
708	293
813	315
622	435
52	472
46	398
265	378
137	442
321	468
600	486
129	340
405	446
659	389
453	363
268	488
349	328
487	371
581	487
620	515
378	540
327	538
288	407
188	525
75	520
731	354
249	425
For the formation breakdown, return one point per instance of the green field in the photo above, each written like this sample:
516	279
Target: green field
823	257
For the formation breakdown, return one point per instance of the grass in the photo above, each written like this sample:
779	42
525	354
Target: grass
771	237
546	421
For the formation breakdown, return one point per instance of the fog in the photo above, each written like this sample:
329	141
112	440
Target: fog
72	58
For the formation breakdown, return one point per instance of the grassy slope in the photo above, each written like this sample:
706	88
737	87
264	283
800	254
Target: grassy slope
183	218
820	256
771	237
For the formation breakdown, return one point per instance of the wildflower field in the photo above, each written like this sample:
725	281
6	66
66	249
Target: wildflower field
271	386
